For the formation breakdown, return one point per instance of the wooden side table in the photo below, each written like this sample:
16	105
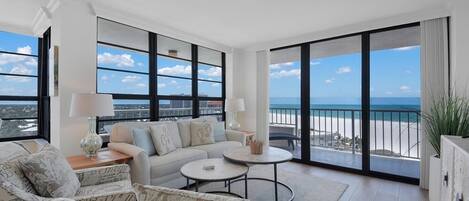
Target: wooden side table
103	158
250	135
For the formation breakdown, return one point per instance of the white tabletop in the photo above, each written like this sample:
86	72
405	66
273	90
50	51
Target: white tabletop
270	155
224	170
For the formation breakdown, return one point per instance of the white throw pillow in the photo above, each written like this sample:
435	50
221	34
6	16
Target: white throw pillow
161	139
202	133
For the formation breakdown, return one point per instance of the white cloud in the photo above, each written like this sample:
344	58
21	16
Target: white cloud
130	78
404	88
211	72
24	50
286	73
388	92
215	84
21	70
176	70
173	82
141	85
314	63
345	69
161	85
140	64
120	60
329	81
405	48
104	78
281	65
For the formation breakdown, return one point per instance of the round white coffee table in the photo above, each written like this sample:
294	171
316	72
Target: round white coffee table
223	171
270	155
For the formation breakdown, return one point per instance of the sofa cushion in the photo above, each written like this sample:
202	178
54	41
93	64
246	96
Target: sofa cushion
11	172
201	133
161	139
172	162
184	126
50	173
143	139
106	188
122	131
216	150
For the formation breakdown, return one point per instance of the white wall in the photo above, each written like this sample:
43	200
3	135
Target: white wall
459	36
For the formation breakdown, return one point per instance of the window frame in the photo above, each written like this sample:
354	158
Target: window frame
42	94
153	96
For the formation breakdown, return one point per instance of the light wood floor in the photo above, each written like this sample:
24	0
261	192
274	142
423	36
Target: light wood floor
362	188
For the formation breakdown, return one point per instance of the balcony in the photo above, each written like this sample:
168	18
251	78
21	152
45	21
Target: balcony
336	135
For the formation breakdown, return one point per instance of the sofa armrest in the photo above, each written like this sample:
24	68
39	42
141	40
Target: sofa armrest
157	193
122	195
101	175
139	165
232	135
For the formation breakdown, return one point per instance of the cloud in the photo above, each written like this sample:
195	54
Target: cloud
388	92
345	69
215	84
104	78
140	64
329	81
161	85
286	73
141	85
405	48
314	63
176	70
120	60
211	72
404	88
130	79
24	50
280	65
22	70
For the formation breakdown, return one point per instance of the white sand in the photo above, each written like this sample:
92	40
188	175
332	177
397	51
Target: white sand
408	135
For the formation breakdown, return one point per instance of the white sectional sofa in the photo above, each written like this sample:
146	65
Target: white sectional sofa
164	170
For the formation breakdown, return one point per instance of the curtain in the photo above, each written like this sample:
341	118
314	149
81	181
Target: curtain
262	104
434	79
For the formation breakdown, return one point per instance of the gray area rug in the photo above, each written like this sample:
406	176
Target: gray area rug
306	187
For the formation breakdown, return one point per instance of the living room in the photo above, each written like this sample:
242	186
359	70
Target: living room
233	100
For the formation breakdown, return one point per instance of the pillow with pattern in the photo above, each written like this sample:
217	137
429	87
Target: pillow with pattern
202	133
161	139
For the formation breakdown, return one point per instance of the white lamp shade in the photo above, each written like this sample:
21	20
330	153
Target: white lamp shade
234	105
91	105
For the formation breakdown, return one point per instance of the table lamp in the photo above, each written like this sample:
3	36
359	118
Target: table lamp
233	106
91	105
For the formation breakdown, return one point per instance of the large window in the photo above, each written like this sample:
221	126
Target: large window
23	93
153	77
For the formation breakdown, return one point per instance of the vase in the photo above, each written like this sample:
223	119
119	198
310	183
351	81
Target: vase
92	142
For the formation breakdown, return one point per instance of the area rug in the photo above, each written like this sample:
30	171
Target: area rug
306	187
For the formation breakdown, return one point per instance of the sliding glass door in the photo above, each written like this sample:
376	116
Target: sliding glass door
350	102
335	102
395	102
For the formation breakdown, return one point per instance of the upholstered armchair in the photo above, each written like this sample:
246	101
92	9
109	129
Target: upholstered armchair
110	183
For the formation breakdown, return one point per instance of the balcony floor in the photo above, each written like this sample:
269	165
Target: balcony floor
392	165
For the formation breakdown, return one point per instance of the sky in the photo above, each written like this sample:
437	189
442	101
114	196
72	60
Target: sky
393	73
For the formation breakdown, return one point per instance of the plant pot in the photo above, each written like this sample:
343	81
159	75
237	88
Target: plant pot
435	178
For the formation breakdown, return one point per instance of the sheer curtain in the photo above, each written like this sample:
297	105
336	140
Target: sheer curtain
262	105
434	79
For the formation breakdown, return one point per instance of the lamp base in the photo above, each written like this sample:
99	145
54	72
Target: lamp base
92	142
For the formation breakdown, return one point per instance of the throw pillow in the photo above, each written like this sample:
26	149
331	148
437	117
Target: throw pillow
184	126
201	133
11	172
50	173
161	139
142	139
219	131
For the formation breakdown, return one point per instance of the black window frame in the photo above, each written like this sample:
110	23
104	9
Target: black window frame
42	97
365	104
153	97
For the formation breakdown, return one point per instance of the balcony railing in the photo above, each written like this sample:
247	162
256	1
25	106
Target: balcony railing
394	133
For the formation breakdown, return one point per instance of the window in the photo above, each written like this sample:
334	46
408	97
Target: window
154	77
123	71
23	103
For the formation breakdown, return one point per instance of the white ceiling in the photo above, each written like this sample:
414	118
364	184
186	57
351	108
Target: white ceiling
240	23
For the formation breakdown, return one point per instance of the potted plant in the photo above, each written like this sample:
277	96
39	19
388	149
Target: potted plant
448	115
